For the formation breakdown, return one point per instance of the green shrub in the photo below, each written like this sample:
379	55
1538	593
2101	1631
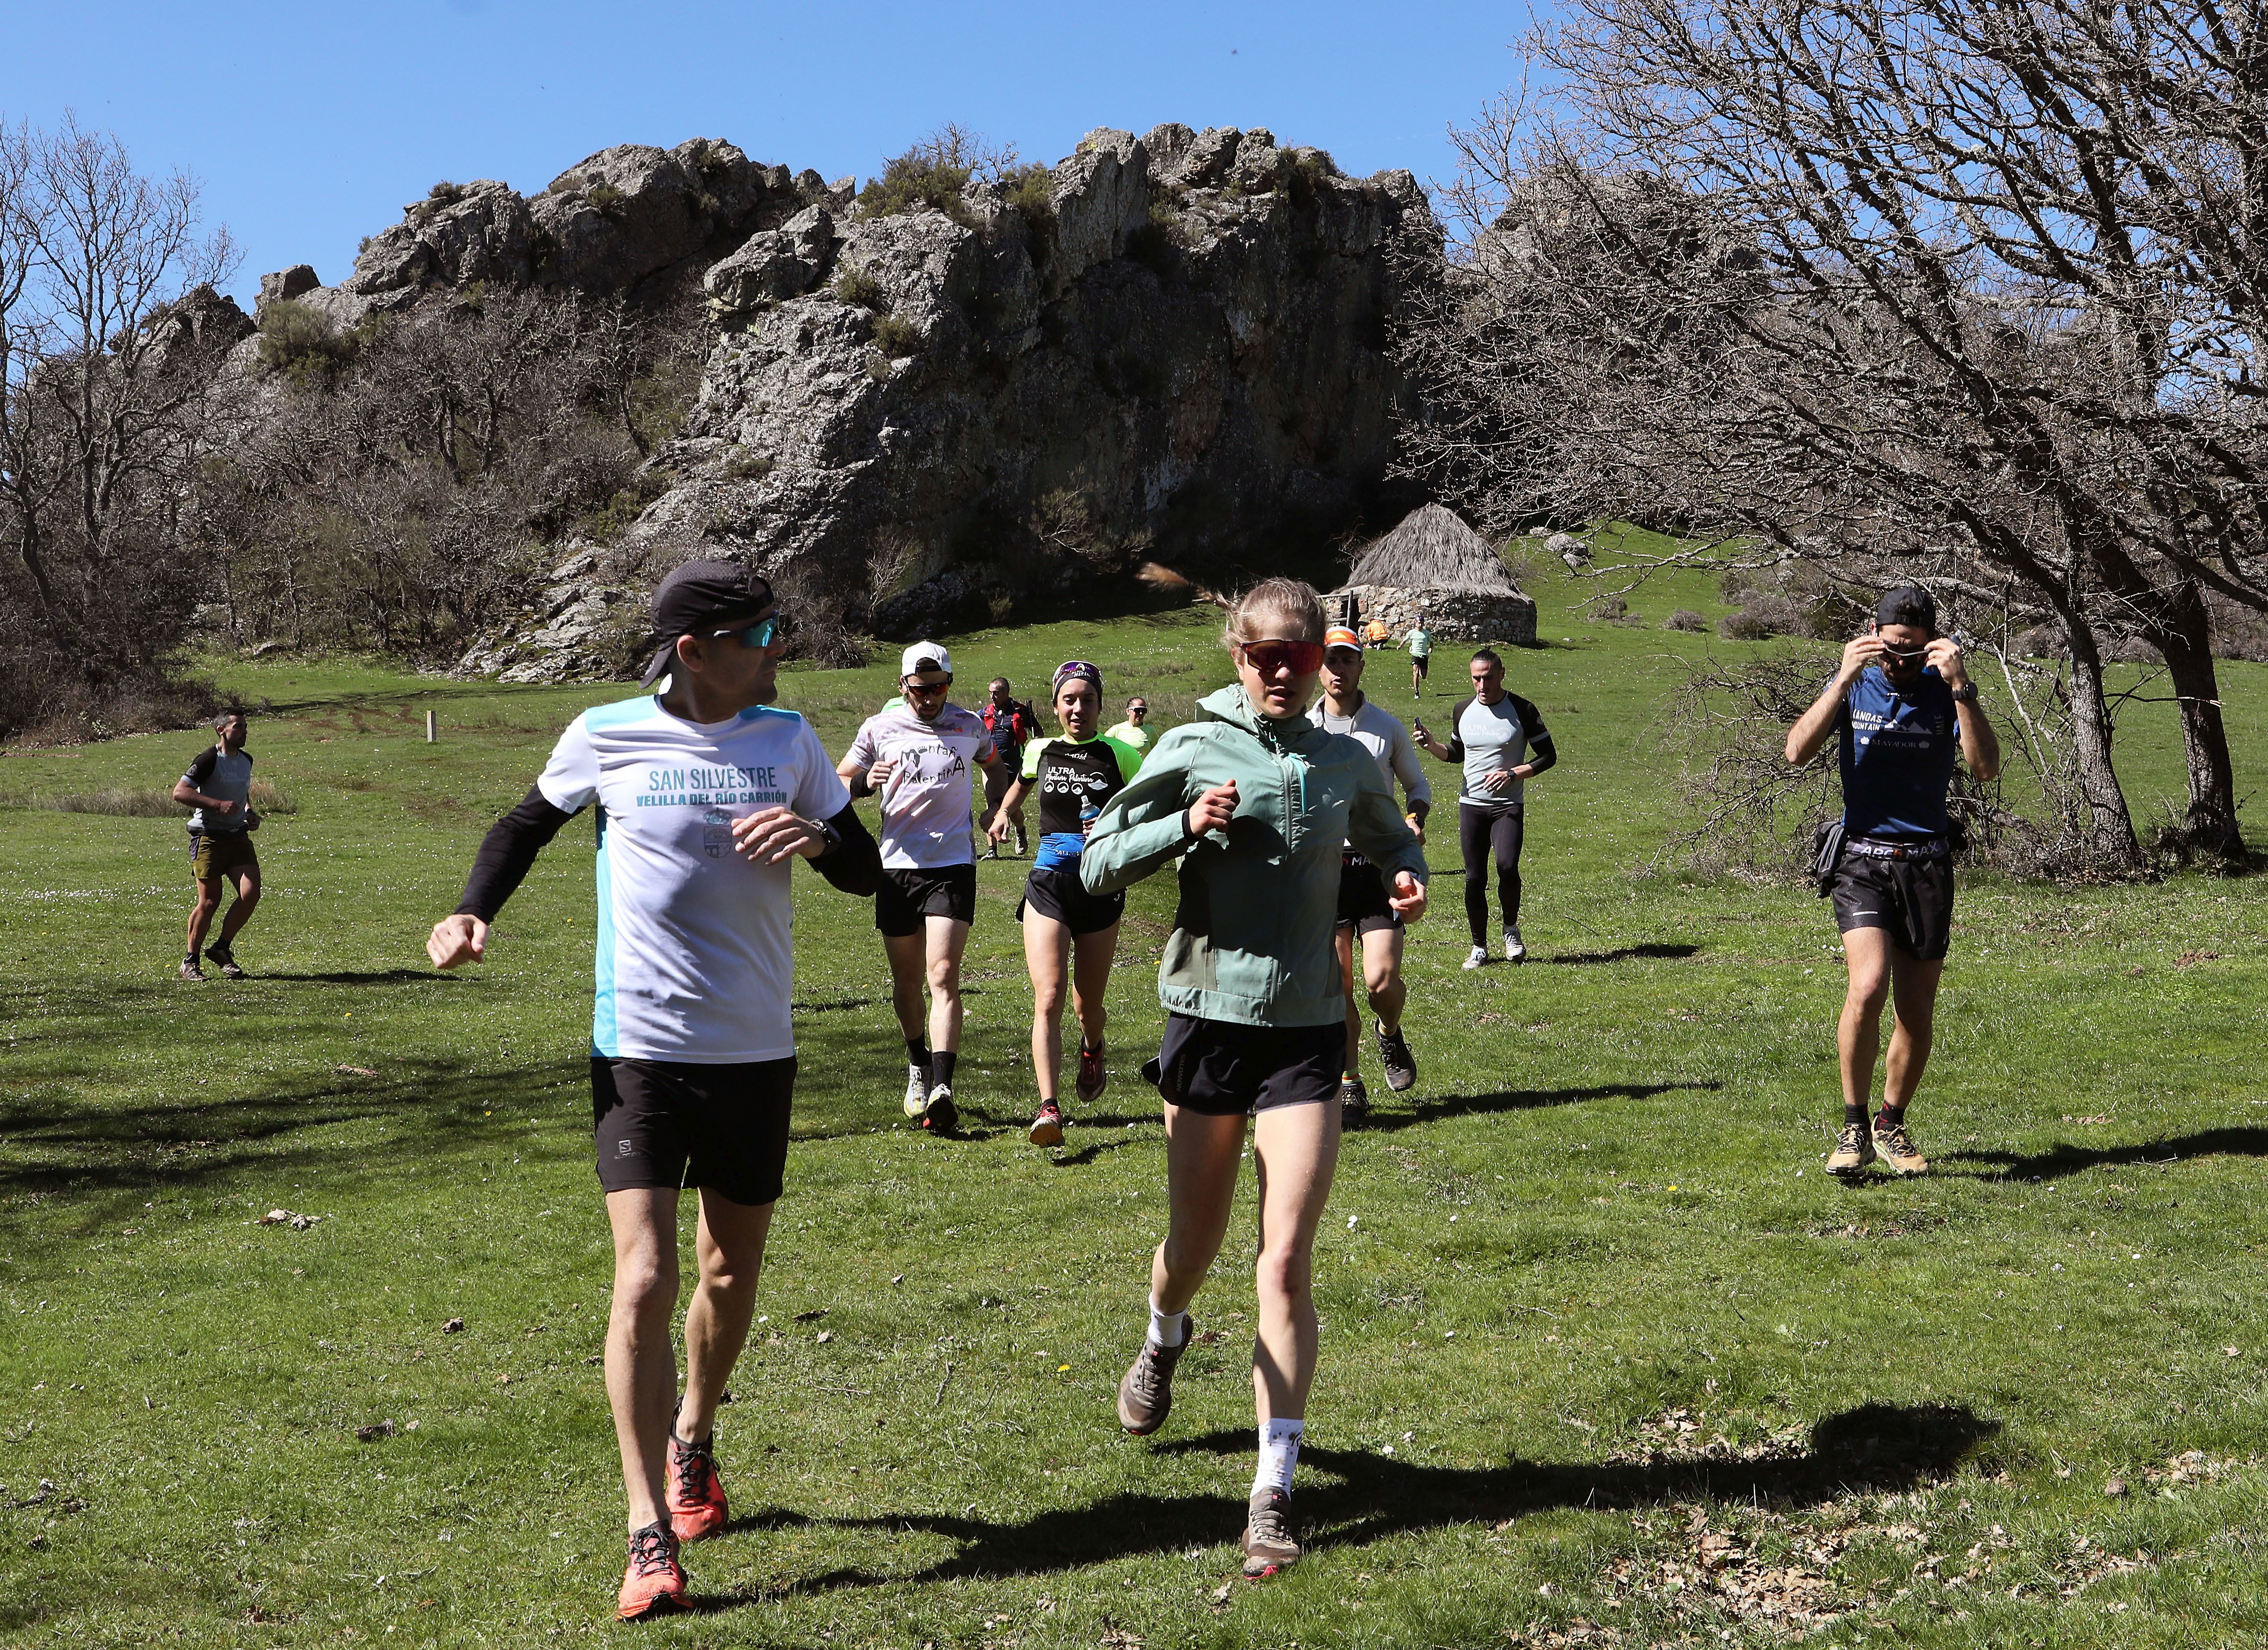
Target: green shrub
625	507
302	343
741	465
855	286
896	337
605	196
1030	189
920	177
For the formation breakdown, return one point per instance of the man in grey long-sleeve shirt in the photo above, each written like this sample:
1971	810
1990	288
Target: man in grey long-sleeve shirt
1364	912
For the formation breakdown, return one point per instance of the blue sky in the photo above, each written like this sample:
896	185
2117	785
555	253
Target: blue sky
311	125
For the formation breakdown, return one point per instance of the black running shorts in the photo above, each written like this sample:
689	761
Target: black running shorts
1419	661
1362	897
1226	1070
908	897
1913	899
1056	892
664	1123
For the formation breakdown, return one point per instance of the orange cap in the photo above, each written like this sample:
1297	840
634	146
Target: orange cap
1339	636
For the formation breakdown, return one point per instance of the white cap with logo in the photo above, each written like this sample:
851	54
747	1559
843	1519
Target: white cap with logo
924	656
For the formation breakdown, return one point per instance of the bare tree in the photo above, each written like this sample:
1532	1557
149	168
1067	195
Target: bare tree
1956	288
105	358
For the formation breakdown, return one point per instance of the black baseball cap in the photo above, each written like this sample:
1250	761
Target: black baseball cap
1908	604
699	597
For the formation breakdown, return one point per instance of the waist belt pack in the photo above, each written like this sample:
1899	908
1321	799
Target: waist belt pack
1928	848
1829	844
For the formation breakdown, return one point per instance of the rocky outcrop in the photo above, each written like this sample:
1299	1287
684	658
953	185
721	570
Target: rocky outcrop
1172	348
615	222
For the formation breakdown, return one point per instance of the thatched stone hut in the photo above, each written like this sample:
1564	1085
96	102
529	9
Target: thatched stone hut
1436	565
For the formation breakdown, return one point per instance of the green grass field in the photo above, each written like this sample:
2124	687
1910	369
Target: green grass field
1607	1359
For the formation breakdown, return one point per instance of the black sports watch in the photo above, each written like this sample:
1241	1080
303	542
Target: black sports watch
833	838
1965	694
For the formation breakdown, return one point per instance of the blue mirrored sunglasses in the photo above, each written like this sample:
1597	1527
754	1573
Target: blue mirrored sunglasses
763	633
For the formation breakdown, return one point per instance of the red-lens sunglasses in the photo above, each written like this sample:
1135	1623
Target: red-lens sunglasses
1301	659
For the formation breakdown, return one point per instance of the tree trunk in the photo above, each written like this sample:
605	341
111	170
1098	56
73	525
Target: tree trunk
2182	632
2105	827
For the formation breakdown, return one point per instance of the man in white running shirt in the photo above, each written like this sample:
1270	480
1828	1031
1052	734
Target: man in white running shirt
1499	739
1364	910
917	757
705	796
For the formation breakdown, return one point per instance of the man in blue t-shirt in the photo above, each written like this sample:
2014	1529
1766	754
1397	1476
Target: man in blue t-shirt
1903	707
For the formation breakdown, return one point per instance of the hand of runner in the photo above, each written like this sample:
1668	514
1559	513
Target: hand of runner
1859	653
770	835
1213	810
879	774
1496	779
1417	827
997	830
456	939
1408	898
1945	653
222	806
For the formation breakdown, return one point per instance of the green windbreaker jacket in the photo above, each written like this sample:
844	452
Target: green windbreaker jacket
1252	938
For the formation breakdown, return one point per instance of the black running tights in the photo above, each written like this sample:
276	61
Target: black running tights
1484	833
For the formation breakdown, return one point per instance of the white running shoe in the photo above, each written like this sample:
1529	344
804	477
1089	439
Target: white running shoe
1478	956
917	1091
1515	950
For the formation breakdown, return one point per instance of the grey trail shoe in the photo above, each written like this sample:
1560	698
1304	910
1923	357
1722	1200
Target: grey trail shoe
1145	1394
1394	1054
1269	1545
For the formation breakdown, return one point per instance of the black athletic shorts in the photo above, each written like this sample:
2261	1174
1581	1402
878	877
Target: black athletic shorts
1056	892
1362	897
907	897
1913	899
1226	1070
1419	661
665	1123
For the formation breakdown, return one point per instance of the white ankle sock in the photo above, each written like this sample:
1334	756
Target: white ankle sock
1279	1453
1167	1328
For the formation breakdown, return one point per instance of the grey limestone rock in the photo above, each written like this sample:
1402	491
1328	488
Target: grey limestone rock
298	280
772	264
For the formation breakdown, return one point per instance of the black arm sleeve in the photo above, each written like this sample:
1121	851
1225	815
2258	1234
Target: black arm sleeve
855	864
1456	752
200	768
507	851
1542	753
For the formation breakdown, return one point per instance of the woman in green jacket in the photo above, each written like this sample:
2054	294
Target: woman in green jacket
1254	801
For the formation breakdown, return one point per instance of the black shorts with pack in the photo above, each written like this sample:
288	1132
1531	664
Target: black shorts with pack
668	1123
910	896
1055	891
1226	1070
1363	903
1911	899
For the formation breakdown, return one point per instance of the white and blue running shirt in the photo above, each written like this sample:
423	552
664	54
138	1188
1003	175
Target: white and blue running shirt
693	961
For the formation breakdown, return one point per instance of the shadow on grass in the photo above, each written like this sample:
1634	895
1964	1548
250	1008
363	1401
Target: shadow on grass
1626	955
59	1145
1365	1497
2065	1159
368	976
1515	1100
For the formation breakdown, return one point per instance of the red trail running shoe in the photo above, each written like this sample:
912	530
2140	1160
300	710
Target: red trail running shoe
695	1498
654	1584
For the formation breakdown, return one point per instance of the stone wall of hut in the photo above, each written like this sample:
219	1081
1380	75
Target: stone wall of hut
1452	613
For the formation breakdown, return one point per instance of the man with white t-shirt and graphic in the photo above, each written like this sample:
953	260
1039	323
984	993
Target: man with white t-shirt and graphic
705	794
1366	914
1500	739
916	756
